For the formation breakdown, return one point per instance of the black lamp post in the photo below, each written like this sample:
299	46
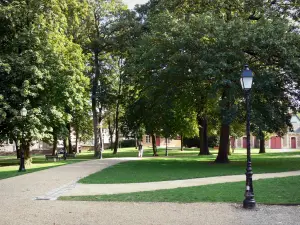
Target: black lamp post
246	82
23	113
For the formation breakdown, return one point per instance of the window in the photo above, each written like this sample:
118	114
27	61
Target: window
169	140
147	139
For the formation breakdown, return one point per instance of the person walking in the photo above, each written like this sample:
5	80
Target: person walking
141	150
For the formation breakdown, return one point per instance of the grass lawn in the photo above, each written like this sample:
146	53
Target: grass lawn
186	165
9	165
268	191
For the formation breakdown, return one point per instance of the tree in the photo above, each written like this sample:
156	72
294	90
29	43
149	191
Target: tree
230	36
40	69
105	30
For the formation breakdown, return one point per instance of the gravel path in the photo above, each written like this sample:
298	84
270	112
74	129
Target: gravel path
18	206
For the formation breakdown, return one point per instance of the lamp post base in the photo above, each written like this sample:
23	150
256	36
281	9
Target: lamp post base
22	170
249	203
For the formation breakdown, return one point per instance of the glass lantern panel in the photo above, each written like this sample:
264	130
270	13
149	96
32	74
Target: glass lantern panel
247	82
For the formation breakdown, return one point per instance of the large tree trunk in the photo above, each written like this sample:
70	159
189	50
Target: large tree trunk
262	148
202	123
94	104
223	146
70	147
54	147
154	145
181	142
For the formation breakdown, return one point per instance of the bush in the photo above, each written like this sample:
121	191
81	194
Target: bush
191	142
127	143
195	142
213	141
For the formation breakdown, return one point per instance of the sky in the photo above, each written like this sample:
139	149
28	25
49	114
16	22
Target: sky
132	3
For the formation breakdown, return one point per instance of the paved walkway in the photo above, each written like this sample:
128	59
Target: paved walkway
18	206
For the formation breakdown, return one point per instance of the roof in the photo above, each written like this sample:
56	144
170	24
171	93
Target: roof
297	131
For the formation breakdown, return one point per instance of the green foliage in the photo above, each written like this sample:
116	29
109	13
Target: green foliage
156	71
127	143
192	53
41	69
195	142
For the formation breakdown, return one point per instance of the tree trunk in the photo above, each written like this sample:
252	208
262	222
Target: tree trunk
262	148
202	123
28	159
76	141
118	107
136	142
94	104
154	145
17	147
18	150
111	142
166	154
181	142
229	148
232	145
65	148
111	131
223	146
70	147
101	137
117	130
54	148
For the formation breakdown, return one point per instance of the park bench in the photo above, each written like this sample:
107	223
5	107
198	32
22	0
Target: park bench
52	157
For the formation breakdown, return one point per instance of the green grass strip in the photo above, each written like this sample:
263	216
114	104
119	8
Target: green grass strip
9	166
268	191
163	169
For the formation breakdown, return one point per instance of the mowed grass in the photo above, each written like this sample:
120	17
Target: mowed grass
188	165
9	165
268	191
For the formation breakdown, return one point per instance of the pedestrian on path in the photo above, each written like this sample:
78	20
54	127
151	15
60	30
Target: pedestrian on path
141	150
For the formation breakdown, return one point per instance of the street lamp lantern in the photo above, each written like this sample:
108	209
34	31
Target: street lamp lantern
247	78
246	82
23	113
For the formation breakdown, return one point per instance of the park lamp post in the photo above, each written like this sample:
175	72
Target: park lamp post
246	82
23	113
